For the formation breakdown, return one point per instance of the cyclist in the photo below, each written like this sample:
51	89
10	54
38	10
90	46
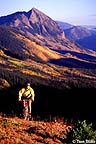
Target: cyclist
26	95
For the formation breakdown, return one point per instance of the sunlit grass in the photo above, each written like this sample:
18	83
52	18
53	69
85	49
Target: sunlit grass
16	62
30	72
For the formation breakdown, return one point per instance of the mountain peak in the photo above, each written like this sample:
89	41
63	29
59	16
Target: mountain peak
33	12
43	24
36	10
34	22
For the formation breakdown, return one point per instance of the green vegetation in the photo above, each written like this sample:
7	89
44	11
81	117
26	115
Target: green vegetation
82	132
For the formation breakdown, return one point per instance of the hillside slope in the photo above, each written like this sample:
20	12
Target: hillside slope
14	43
16	131
40	28
82	36
17	45
41	56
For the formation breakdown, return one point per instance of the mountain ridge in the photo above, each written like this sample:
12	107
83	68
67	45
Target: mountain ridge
31	41
82	36
40	28
30	20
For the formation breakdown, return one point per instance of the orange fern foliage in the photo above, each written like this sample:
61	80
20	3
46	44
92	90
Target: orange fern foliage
16	131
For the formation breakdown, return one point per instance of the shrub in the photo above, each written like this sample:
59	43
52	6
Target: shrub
82	132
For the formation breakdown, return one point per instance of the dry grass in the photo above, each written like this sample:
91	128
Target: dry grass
19	131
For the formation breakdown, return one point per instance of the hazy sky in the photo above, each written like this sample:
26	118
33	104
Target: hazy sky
79	12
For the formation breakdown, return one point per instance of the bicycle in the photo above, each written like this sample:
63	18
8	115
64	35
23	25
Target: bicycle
26	113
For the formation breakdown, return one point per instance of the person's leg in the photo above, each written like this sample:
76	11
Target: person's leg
25	109
29	108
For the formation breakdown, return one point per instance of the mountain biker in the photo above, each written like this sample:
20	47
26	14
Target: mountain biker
26	95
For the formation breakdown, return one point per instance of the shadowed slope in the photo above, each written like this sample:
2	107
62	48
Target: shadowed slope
18	45
82	36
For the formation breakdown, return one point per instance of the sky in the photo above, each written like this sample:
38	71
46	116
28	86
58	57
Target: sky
76	12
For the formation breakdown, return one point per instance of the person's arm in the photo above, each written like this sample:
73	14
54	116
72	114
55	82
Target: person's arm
20	94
